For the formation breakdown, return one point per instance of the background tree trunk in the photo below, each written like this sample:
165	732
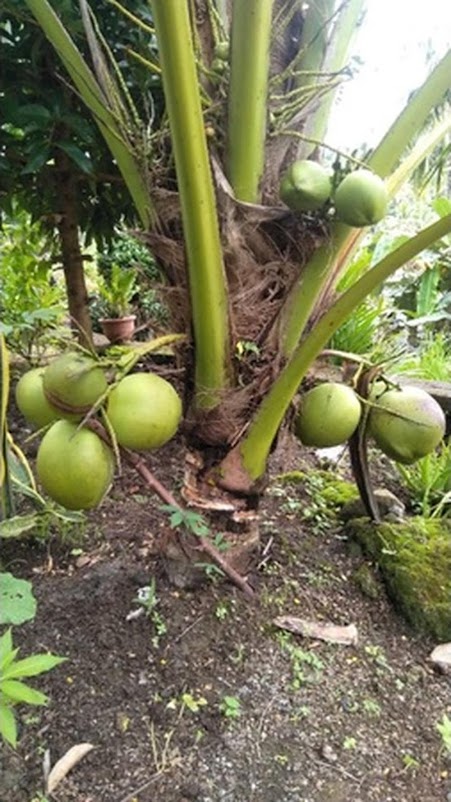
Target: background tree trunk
72	257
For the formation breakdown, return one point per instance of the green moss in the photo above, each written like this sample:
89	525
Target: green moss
365	579
334	492
415	561
338	492
291	478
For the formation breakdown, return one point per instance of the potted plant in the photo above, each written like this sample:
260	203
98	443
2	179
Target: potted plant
116	293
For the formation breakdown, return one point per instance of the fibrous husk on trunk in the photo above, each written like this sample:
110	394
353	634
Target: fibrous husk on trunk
264	250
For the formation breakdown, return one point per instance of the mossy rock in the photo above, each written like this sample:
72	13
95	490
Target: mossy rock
335	492
415	561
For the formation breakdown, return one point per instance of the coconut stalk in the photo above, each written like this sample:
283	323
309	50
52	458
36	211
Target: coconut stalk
127	160
208	294
327	263
249	68
6	503
254	449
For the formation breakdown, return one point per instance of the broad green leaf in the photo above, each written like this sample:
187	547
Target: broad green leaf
76	154
17	603
6	645
16	526
33	113
8	726
37	160
80	126
32	666
442	206
19	692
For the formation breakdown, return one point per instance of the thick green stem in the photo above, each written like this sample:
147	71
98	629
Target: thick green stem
251	34
128	163
200	222
256	445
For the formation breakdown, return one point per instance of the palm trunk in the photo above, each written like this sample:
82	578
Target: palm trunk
72	257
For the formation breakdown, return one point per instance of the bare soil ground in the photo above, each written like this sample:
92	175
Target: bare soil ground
222	707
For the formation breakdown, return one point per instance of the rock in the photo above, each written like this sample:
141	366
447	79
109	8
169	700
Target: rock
390	507
441	657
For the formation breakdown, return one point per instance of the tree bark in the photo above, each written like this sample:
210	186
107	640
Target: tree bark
72	259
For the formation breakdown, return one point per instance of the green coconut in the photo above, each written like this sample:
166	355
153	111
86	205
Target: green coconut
328	416
361	199
406	424
31	399
73	383
306	186
144	411
74	467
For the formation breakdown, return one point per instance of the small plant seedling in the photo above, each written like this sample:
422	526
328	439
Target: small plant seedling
187	519
223	609
196	524
377	656
238	656
371	707
306	666
12	690
349	742
301	712
211	571
410	762
193	703
149	601
282	760
443	727
187	701
230	707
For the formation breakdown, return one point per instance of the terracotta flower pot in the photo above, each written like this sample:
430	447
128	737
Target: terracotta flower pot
118	329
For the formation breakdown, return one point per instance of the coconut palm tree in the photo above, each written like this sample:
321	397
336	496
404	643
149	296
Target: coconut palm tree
248	89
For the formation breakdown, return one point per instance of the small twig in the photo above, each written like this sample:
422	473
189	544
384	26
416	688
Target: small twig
152	482
142	787
186	630
341	770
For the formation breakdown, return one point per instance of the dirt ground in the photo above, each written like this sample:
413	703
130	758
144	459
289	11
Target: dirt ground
208	701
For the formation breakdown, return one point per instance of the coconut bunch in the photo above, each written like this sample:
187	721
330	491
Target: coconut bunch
360	199
406	424
74	465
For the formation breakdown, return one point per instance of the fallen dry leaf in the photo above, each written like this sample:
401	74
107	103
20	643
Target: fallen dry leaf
64	765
